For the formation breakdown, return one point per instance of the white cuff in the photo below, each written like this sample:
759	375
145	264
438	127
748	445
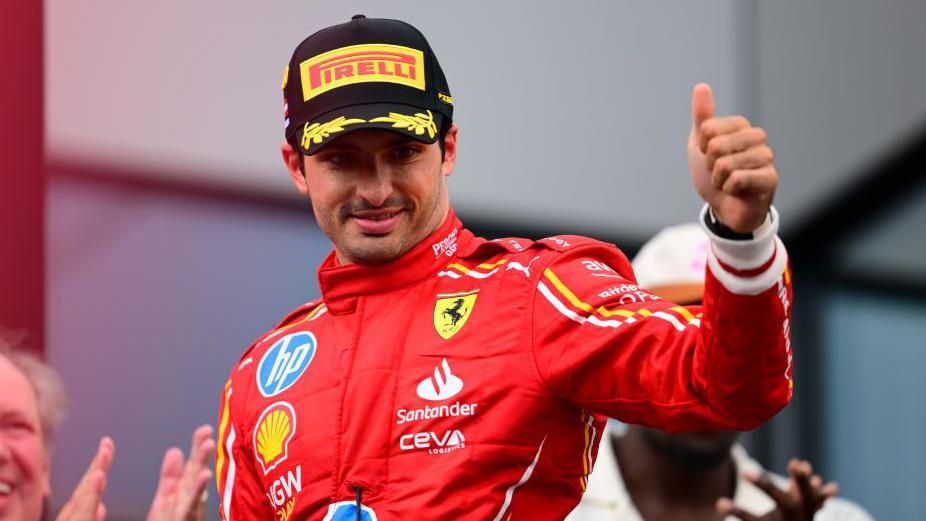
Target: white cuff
747	255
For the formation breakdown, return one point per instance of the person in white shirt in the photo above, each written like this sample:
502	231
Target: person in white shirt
646	474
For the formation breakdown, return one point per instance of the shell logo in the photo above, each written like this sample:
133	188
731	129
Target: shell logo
275	428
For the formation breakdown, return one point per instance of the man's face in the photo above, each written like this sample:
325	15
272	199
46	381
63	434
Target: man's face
695	450
375	193
24	481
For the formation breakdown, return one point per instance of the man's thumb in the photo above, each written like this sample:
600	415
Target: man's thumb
702	105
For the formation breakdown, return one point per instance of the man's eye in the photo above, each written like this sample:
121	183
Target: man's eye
19	428
337	159
404	153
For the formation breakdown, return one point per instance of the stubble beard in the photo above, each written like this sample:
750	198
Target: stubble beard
367	249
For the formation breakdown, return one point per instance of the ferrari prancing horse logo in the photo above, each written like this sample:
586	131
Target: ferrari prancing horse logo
451	312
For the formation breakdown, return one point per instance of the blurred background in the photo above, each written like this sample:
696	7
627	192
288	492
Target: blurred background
149	232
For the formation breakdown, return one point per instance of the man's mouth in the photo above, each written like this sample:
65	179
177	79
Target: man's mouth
378	222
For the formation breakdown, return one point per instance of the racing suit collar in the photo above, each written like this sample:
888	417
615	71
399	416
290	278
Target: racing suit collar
341	284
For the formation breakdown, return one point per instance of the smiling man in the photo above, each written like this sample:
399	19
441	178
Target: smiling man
32	405
445	376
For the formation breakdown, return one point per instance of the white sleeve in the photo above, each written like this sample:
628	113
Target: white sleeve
839	509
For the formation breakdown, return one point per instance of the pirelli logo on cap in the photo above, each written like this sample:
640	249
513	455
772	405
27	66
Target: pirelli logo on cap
362	64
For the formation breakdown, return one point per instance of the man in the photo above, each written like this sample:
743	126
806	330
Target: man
647	474
444	376
32	405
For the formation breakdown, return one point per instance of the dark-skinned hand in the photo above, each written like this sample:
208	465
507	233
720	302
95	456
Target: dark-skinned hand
805	495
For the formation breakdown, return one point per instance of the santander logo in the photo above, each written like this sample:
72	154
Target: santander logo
442	385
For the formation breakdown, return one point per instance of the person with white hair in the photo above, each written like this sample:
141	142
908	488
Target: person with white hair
32	406
647	474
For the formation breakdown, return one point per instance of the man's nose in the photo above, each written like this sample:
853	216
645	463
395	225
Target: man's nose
5	454
376	186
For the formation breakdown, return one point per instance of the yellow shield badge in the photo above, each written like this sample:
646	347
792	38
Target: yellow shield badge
451	311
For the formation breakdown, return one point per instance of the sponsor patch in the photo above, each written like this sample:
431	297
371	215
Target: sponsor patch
451	311
347	511
282	492
433	442
362	64
438	411
446	246
275	429
442	385
285	361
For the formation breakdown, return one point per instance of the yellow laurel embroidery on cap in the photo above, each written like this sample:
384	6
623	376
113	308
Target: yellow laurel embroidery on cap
318	132
285	77
419	123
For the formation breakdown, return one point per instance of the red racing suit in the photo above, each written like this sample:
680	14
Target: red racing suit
470	379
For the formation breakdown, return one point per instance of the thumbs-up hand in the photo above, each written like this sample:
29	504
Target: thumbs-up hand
731	164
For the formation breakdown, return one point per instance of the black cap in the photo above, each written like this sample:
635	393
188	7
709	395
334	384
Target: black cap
366	73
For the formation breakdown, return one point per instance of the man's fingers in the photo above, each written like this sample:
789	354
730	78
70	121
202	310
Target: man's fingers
190	499
754	158
201	433
750	182
739	141
801	472
825	492
86	499
92	485
100	512
725	507
171	471
203	446
105	453
787	503
715	127
702	106
100	463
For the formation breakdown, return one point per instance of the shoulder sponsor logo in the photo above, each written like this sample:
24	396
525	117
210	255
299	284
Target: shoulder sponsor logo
451	311
628	294
449	441
559	241
515	265
283	364
442	385
282	492
600	269
446	246
275	428
347	511
362	64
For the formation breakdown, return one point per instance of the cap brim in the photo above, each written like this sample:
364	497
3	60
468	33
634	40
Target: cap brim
417	123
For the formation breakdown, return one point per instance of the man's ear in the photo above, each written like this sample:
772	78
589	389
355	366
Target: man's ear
450	150
46	476
292	158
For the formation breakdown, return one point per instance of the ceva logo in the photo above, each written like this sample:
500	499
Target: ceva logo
442	385
347	511
451	440
283	364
